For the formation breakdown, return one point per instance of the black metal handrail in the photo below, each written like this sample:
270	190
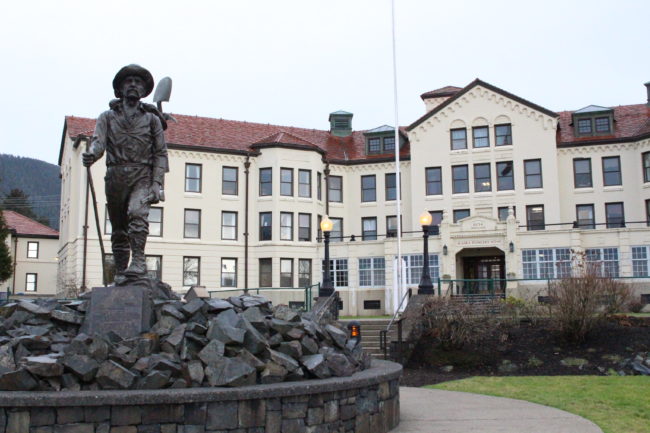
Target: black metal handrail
383	334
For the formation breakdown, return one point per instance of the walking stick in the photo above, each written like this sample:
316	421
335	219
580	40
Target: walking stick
99	231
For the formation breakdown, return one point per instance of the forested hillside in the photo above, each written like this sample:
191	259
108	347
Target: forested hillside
38	179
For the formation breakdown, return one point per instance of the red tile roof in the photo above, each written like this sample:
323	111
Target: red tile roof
231	135
27	226
631	122
443	91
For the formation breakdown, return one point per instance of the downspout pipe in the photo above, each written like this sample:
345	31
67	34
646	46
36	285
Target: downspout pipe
247	165
326	172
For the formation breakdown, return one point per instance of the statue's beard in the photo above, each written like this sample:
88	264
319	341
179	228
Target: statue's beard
132	93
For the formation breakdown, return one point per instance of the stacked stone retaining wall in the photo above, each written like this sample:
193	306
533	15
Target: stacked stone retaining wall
367	402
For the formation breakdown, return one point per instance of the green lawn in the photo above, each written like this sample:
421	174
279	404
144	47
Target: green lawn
363	317
616	404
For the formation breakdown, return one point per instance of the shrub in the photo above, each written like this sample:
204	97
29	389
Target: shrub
635	306
455	323
578	304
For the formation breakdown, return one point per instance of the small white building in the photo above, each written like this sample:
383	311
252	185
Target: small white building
34	253
516	190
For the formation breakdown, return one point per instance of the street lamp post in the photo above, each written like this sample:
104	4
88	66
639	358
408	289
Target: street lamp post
326	288
425	287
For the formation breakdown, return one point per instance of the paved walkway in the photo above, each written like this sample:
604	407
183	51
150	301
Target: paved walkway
437	411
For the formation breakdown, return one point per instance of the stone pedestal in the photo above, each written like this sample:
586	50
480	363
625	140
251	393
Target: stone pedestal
125	310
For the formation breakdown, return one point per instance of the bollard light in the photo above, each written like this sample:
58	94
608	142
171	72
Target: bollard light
354	327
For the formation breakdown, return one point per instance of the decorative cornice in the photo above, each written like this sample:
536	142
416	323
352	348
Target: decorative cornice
603	148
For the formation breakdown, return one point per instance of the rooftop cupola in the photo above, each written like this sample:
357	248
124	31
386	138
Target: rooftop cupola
436	97
647	88
340	123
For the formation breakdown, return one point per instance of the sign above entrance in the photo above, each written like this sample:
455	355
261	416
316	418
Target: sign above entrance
482	242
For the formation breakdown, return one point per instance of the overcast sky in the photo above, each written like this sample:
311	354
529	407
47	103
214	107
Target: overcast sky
293	62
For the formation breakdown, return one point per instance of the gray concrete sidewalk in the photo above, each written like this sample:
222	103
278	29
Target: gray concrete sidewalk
436	411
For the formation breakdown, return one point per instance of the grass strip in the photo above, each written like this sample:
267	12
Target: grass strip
616	404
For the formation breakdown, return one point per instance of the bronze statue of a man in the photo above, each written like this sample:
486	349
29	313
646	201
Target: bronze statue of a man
131	134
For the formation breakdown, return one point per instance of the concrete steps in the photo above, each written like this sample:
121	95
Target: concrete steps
370	334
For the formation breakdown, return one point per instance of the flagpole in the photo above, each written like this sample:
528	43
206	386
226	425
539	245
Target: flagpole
398	183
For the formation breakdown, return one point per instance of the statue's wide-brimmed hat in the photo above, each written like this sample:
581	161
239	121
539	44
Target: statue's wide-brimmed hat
136	70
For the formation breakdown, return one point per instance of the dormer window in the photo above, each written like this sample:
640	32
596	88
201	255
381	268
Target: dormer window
380	140
593	121
374	145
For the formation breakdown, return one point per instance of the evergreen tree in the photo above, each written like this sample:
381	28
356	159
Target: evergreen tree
5	255
18	201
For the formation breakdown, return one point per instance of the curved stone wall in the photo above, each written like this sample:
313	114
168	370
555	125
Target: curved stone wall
366	402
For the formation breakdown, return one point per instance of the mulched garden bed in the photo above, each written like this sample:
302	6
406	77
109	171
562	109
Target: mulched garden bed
531	350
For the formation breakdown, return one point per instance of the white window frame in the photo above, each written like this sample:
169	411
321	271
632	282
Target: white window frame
338	272
372	272
414	264
606	261
545	263
641	261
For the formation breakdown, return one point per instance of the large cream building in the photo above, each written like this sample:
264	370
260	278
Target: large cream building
516	190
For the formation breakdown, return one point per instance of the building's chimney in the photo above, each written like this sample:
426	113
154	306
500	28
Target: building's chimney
647	88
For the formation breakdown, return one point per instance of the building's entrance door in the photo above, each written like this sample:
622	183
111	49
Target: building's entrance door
488	271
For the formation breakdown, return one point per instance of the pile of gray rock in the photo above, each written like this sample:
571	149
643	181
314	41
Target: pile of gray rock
204	342
639	364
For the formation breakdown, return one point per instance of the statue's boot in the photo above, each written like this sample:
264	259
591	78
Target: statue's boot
121	259
138	264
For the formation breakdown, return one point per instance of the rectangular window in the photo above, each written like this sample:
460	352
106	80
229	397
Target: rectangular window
154	267
108	228
603	261
614	215
336	235
584	126
192	177
389	144
374	145
391	187
546	263
391	226
434	180
503	134
582	173
304	227
228	272
482	178
304	183
32	250
535	217
304	272
266	226
335	189
156	221
503	212
458	139
286	226
372	272
647	212
286	181
436	217
640	258
480	136
319	232
505	178
602	124
266	272
533	173
368	188
31	282
612	171
646	166
369	229
338	272
266	181
229	225
192	227
191	271
414	265
229	185
319	186
286	272
460	214
460	179
585	216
